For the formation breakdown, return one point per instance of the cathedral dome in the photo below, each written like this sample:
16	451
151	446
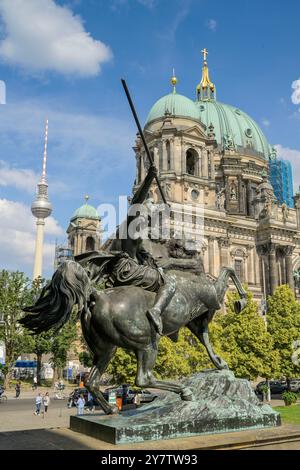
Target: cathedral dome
233	128
232	123
86	211
174	104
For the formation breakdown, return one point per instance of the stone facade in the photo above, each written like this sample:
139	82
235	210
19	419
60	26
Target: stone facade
84	234
244	226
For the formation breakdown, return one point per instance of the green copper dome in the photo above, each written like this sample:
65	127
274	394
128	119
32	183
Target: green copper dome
176	105
232	123
233	129
86	212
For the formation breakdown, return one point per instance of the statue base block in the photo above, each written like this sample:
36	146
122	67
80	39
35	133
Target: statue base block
222	403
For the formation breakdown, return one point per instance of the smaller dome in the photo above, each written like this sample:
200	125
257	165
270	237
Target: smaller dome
176	105
86	212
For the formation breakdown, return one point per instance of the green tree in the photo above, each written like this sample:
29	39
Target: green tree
15	294
41	343
85	359
61	345
122	367
243	341
182	358
283	319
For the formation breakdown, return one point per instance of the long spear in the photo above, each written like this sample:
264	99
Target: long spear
142	137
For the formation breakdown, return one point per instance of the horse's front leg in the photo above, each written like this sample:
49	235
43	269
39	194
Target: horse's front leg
199	326
92	383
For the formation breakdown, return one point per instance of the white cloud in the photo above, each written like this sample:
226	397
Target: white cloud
296	93
17	177
73	137
293	155
17	237
212	25
2	92
41	35
24	179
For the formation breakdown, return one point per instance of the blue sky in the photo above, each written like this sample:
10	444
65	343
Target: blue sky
63	60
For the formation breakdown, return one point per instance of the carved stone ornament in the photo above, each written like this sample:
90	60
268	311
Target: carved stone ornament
224	242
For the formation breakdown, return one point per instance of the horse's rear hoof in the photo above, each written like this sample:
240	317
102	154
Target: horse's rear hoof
187	395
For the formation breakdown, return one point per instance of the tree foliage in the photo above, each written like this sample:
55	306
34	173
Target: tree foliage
41	343
244	342
61	344
283	319
15	293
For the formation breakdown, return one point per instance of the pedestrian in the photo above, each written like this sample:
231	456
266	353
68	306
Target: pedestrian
80	405
46	402
38	402
137	399
90	402
34	382
18	389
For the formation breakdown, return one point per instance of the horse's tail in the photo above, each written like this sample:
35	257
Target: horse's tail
69	286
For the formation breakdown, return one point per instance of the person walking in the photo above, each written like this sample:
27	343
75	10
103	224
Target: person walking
34	383
18	389
38	402
90	402
46	402
80	405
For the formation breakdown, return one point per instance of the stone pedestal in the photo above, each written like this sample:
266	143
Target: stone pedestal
221	404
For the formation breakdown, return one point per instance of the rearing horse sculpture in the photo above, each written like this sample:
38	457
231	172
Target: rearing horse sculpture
116	317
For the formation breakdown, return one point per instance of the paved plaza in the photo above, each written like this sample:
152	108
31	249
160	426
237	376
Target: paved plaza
21	429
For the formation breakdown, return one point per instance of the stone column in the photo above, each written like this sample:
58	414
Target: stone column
156	156
164	156
172	166
227	192
289	266
257	267
251	273
143	171
212	165
211	255
283	270
177	155
248	202
240	194
224	244
204	164
263	254
245	263
272	267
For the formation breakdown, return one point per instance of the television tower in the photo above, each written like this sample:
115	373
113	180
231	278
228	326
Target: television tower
41	208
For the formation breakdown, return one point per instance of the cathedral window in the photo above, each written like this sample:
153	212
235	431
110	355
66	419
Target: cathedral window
90	244
238	267
192	162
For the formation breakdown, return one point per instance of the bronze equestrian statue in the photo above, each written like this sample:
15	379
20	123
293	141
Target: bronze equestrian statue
141	302
117	317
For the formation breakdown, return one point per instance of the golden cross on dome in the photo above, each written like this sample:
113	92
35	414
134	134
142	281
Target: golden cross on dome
205	53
